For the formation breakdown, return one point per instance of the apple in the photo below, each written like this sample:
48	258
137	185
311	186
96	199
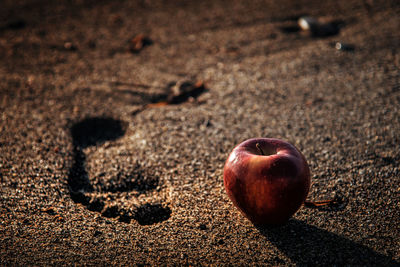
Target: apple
267	179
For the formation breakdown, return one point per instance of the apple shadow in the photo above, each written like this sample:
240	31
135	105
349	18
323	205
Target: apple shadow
305	244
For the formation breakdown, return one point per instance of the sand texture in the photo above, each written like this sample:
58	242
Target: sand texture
112	152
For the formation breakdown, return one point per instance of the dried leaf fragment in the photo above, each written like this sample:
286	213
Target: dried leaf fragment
318	203
323	203
157	105
182	92
138	42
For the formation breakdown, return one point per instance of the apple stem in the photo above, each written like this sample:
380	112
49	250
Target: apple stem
259	149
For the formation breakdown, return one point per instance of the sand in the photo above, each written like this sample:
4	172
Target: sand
94	170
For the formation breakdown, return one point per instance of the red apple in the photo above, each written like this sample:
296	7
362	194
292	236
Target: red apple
267	179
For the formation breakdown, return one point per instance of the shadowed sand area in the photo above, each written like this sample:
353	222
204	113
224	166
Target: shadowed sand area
116	118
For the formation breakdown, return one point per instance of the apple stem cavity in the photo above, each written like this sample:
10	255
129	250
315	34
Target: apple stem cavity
259	149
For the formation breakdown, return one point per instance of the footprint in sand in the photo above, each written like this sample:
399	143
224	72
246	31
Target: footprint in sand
106	192
100	195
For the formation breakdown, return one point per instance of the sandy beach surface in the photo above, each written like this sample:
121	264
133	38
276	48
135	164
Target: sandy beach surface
117	118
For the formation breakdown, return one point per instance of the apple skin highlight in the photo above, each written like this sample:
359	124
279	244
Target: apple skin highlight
269	185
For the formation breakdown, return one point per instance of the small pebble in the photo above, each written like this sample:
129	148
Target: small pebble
344	47
316	28
307	23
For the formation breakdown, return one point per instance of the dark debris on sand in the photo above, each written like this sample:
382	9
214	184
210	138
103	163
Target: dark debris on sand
103	161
